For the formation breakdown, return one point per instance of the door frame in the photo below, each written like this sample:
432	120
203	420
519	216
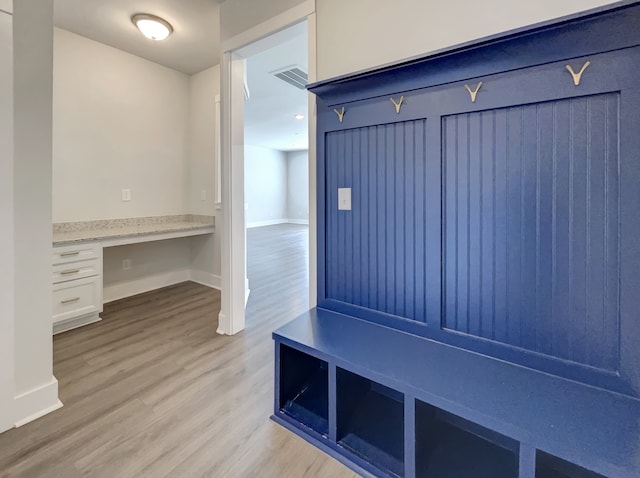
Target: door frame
234	264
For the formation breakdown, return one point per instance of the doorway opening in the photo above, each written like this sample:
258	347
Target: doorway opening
244	55
276	174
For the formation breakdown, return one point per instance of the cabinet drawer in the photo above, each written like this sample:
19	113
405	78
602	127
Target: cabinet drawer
75	298
76	270
75	253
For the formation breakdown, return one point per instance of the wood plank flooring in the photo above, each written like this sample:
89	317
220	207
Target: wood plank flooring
152	391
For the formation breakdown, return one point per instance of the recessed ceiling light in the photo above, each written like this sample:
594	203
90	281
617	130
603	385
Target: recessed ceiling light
299	117
154	28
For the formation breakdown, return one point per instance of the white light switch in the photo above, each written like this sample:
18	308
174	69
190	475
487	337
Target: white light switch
126	194
344	199
203	195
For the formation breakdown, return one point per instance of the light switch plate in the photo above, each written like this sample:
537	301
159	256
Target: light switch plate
126	194
344	199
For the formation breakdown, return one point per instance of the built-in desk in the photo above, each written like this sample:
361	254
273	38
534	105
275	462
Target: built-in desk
77	259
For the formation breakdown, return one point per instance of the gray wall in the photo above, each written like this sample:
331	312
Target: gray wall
265	180
276	186
298	186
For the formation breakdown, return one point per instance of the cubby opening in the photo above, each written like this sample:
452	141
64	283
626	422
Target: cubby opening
448	446
304	389
550	466
370	421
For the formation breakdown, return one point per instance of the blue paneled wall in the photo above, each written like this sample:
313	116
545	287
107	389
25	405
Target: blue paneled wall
378	261
530	221
503	222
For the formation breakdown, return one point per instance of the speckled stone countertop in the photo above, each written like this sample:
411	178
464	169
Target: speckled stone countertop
70	232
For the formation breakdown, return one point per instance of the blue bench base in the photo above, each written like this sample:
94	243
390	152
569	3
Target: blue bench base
448	407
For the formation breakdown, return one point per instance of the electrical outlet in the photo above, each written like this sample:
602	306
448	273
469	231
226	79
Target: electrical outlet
203	195
126	264
126	194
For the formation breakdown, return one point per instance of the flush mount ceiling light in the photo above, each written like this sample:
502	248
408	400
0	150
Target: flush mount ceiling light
154	28
299	117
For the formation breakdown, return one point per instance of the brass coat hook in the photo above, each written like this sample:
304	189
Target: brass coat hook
472	92
340	113
577	77
397	104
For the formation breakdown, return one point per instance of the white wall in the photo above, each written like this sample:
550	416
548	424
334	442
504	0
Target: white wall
206	251
204	87
359	34
120	122
265	186
6	222
153	265
36	390
298	186
237	16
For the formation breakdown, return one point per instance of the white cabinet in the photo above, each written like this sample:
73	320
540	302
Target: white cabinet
77	285
76	270
75	253
75	299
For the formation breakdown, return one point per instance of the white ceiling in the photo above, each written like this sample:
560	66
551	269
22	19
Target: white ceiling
193	46
270	112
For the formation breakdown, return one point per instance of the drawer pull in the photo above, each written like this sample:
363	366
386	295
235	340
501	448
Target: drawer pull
69	254
70	271
70	301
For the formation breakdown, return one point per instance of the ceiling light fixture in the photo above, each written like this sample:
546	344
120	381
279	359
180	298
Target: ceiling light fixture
154	28
299	117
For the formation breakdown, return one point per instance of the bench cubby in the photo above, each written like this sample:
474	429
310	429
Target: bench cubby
304	389
370	421
549	466
448	446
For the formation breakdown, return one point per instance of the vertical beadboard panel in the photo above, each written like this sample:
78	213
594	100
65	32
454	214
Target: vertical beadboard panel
543	305
531	214
375	252
331	253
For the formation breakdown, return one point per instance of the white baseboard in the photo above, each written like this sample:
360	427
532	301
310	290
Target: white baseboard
222	319
275	222
121	290
75	323
206	278
270	222
37	403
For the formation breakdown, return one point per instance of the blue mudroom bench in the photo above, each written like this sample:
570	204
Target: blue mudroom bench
478	261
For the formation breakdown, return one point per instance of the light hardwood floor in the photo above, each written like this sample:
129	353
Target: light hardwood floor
152	391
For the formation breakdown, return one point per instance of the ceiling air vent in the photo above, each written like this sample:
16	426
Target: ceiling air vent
294	75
